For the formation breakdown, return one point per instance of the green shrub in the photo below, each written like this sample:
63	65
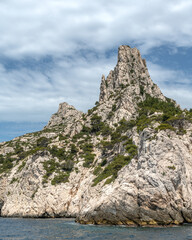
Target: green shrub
84	133
165	126
114	107
116	137
165	117
86	130
13	180
61	137
87	154
33	195
175	118
104	162
90	111
97	170
96	123
67	165
42	142
50	167
130	148
74	149
125	125
107	145
143	122
58	152
181	131
1	159
112	168
141	90
172	167
21	166
6	163
106	130
109	180
88	147
88	158
118	162
110	115
25	154
152	104
60	178
122	86
19	149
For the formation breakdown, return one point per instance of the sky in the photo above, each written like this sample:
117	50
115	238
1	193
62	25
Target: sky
54	51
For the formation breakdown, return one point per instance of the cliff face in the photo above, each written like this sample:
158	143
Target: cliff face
127	161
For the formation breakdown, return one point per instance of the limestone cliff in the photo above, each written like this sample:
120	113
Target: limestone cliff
128	160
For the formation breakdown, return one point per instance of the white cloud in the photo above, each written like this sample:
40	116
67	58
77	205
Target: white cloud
63	27
78	35
174	84
30	95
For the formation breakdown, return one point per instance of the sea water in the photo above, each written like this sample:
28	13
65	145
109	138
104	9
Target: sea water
18	228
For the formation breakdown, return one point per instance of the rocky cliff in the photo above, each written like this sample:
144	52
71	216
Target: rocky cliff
128	160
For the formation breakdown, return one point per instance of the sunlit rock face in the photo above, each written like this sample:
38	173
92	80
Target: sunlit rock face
128	160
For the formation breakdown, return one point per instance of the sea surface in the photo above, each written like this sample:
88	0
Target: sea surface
10	130
18	228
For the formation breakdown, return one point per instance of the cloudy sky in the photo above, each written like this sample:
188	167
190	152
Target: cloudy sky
53	51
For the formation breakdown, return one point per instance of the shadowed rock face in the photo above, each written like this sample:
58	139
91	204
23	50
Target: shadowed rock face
127	161
3	183
1	205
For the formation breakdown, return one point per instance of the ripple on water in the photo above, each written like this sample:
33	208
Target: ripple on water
48	229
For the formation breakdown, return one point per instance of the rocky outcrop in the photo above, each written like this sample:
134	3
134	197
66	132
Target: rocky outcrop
131	74
154	189
127	161
68	117
125	86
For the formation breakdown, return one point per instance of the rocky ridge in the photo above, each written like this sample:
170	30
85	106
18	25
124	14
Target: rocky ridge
128	160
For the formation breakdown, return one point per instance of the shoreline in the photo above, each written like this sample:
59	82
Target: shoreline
143	225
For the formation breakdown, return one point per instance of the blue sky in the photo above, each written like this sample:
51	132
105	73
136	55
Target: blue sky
53	51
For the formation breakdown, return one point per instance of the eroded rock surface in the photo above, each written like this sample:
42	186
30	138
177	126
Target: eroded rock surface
127	161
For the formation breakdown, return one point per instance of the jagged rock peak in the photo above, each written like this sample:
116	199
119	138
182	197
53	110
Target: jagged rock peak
130	70
126	53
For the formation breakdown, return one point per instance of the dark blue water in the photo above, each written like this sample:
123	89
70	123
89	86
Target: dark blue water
14	229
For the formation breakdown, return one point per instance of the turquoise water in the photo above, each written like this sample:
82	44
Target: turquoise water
16	229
